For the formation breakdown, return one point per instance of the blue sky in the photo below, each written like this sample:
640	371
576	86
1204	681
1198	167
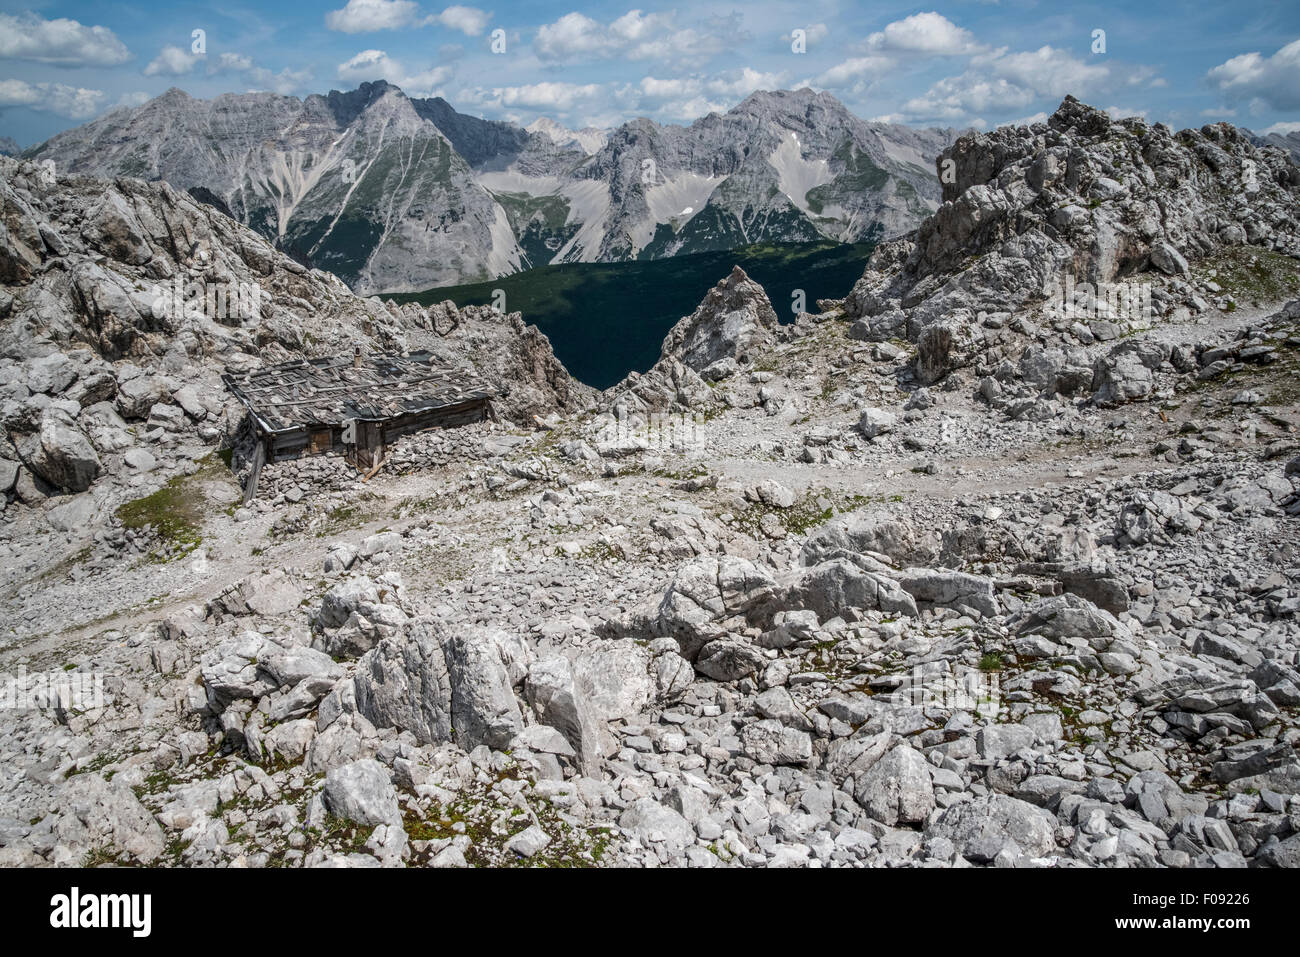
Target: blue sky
966	63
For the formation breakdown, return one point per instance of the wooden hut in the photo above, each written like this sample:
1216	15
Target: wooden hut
356	405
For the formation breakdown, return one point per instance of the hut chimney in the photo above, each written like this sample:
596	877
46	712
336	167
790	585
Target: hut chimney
356	357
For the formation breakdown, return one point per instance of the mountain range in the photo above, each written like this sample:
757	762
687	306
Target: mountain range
1287	142
396	194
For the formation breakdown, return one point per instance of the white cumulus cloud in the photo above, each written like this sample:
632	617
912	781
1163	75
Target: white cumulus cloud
231	62
27	36
258	77
172	61
378	65
470	21
547	96
635	35
285	82
854	70
1001	82
1122	112
911	39
368	16
369	65
925	33
74	102
954	98
1048	71
1274	80
572	34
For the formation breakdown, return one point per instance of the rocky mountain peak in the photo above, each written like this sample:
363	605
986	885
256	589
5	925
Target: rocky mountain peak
588	139
1074	115
1098	200
548	127
790	101
732	323
348	105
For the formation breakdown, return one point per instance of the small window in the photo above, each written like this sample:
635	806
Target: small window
321	441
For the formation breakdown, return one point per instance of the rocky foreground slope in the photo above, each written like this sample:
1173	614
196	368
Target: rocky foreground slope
124	302
791	598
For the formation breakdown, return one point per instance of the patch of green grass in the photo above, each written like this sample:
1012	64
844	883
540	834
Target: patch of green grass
156	783
60	570
97	763
176	512
812	511
682	475
601	553
1252	274
1279	380
801	518
106	857
476	814
348	836
174	850
341	518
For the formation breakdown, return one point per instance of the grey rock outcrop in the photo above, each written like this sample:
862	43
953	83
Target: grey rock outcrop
60	453
483	705
143	271
403	683
1079	197
362	792
735	321
983	828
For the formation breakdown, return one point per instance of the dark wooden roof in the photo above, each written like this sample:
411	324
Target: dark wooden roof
317	392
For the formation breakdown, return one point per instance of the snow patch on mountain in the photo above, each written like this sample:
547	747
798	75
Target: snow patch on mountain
796	175
589	205
505	256
681	194
512	180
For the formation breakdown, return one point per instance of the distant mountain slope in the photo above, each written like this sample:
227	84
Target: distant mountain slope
1288	142
589	139
398	194
357	183
780	167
